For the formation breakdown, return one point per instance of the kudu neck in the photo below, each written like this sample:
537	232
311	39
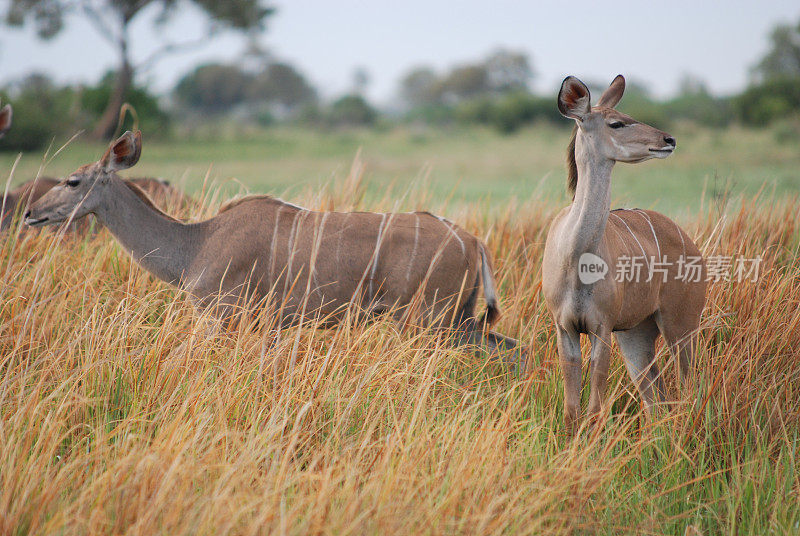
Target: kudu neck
589	212
160	244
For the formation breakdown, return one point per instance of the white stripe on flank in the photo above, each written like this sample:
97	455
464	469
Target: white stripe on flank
644	254
658	246
339	241
413	251
377	255
272	245
680	233
290	252
317	245
450	226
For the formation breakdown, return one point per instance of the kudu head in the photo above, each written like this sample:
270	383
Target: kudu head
606	133
85	190
5	119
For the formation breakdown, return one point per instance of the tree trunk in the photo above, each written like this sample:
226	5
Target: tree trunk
108	121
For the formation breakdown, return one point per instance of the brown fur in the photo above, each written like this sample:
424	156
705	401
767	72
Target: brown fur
155	186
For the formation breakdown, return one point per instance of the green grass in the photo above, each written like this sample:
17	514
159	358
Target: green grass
462	164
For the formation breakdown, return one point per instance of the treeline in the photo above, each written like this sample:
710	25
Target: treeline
493	91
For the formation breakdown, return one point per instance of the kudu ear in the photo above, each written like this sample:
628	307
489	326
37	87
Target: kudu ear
124	152
5	119
613	94
574	99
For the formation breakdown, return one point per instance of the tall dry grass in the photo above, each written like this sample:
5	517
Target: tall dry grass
106	429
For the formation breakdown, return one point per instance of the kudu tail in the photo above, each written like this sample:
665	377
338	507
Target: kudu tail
492	313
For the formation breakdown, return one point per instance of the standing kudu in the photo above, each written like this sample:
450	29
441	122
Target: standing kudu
586	233
310	263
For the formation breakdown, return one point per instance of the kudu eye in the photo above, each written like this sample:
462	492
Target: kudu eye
72	183
616	124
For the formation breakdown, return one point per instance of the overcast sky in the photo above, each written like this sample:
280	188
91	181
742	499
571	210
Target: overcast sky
655	42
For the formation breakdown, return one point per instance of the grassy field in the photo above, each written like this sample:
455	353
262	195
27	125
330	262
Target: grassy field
106	429
466	165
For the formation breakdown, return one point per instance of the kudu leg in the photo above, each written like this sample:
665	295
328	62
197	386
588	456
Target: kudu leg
601	356
569	357
680	334
638	346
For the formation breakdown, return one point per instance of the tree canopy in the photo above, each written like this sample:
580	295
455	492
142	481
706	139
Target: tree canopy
502	72
219	87
783	58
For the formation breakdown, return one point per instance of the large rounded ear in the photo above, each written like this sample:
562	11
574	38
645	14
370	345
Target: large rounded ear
124	152
574	99
613	94
5	119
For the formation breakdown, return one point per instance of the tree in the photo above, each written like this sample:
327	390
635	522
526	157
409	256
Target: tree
503	72
420	87
352	110
508	71
281	84
214	87
361	80
694	102
783	59
112	19
761	104
465	82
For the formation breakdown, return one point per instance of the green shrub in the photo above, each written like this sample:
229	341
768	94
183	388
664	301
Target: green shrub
352	110
760	105
42	112
787	130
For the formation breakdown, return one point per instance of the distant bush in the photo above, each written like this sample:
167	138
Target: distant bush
508	113
31	128
432	114
516	110
213	88
787	130
479	110
761	104
42	111
352	110
701	108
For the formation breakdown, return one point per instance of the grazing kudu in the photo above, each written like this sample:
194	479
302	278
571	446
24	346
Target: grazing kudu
310	263
660	298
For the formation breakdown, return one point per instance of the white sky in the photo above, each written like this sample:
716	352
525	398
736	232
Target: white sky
655	42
